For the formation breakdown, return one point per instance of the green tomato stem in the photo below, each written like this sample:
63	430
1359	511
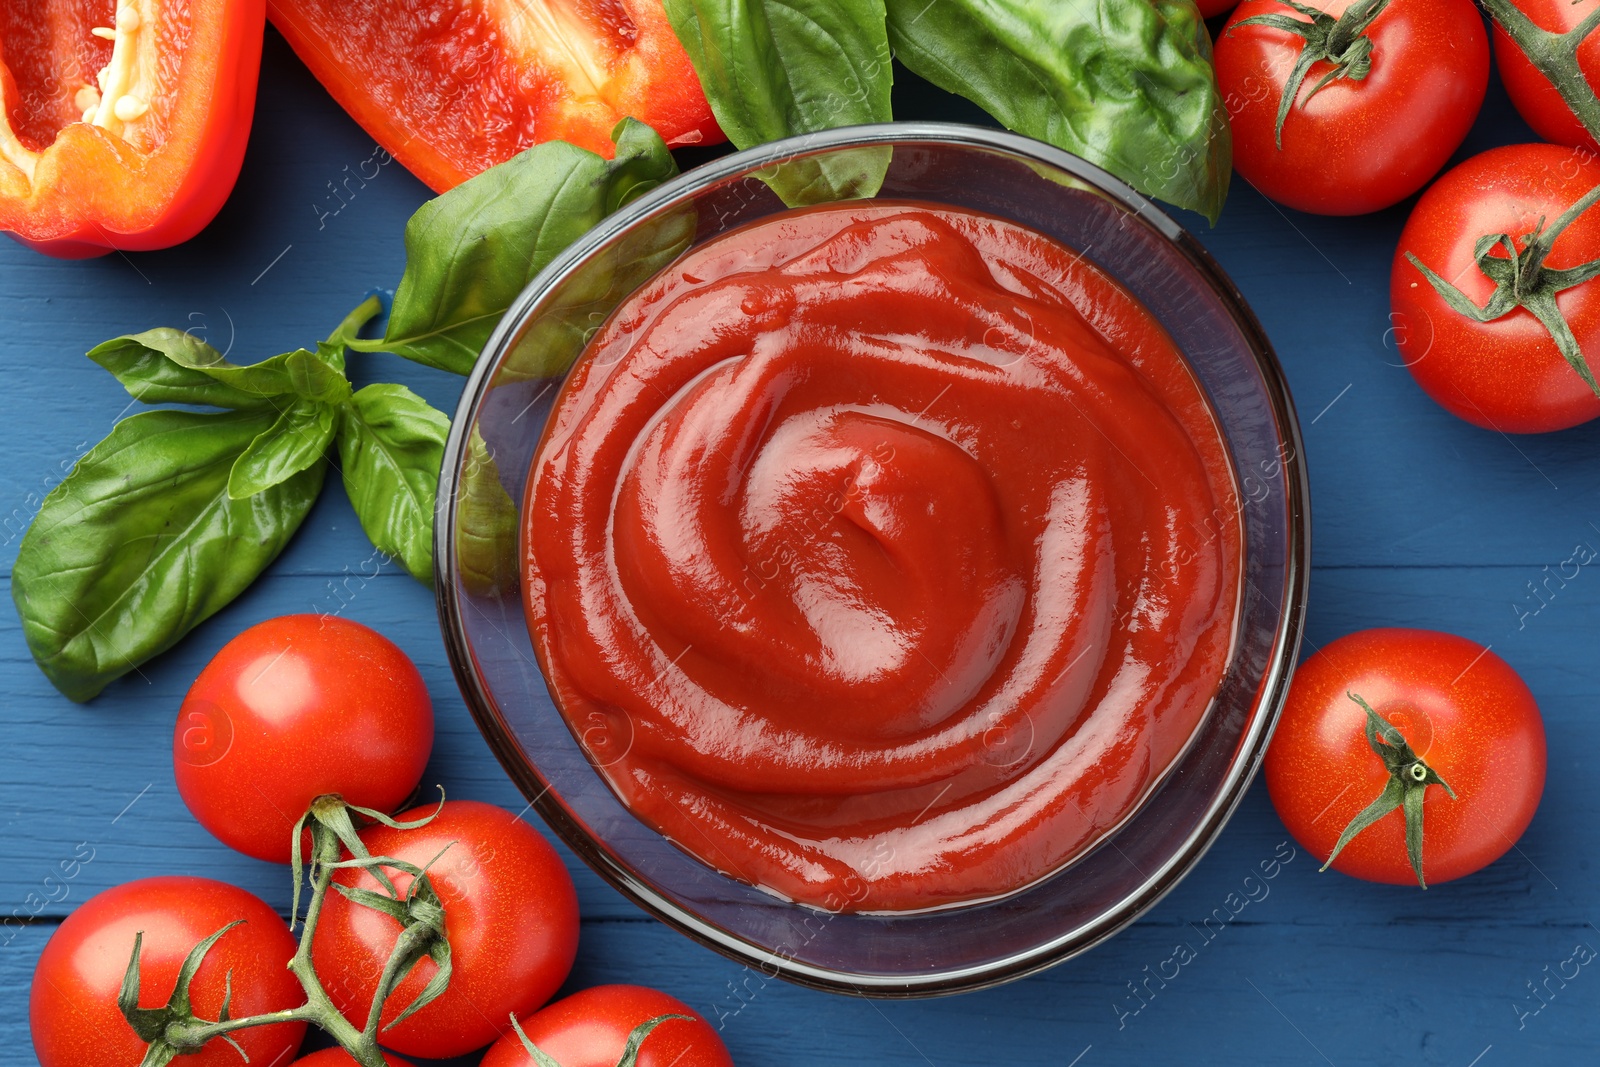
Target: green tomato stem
179	1032
1340	41
361	1044
1523	280
1556	57
1409	778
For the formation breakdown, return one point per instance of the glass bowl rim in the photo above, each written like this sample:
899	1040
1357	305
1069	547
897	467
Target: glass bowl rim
1273	688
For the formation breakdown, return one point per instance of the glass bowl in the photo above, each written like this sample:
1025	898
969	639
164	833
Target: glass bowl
497	428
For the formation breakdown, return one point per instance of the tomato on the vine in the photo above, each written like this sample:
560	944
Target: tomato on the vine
591	1027
293	708
72	1008
1465	722
511	915
1509	373
1536	99
1365	124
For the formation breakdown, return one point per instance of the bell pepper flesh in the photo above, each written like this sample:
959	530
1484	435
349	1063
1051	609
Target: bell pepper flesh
123	123
452	87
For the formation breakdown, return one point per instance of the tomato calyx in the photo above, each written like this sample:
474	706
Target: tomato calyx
1340	41
630	1049
1555	55
174	1030
154	1025
1522	280
329	815
1409	779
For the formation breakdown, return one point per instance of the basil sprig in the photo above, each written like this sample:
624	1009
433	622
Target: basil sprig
774	68
1126	84
177	512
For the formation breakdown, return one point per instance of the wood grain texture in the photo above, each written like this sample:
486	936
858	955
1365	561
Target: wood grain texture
1419	520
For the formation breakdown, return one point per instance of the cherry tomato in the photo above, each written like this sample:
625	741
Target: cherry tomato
1536	99
1505	375
512	919
1461	708
293	708
590	1028
1355	145
72	1009
338	1057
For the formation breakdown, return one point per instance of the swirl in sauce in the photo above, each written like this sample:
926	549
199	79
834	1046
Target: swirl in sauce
882	555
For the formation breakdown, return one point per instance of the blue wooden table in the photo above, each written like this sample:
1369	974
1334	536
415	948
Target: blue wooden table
1420	520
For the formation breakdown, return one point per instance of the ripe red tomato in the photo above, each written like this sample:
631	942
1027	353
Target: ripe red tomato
1505	375
590	1028
512	919
338	1057
293	708
1212	8
1462	709
1536	99
72	1009
1356	145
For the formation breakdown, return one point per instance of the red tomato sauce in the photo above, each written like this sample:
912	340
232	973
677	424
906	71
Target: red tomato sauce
882	555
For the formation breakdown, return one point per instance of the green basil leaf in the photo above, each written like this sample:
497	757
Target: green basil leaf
390	446
1126	84
774	68
470	251
143	363
267	378
585	298
168	366
486	525
316	376
298	439
141	542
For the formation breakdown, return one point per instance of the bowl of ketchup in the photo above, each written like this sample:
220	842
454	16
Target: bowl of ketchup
897	593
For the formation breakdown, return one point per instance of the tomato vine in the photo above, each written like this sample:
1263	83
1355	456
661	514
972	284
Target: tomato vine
173	1029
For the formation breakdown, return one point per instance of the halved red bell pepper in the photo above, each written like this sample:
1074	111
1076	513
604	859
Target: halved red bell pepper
122	122
452	87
